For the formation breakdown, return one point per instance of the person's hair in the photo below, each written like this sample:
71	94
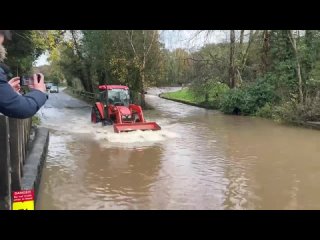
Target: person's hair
6	34
3	53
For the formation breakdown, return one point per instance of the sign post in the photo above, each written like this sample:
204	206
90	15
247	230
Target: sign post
23	200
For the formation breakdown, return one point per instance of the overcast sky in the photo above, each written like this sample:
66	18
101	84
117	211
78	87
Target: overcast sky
191	39
188	39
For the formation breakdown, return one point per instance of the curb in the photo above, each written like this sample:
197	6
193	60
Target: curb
33	166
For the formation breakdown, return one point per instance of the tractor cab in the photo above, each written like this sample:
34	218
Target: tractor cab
116	95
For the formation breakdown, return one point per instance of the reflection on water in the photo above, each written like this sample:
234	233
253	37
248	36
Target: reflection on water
200	160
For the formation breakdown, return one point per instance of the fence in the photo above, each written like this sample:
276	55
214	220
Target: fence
14	138
87	95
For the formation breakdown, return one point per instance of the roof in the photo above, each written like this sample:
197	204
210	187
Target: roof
109	87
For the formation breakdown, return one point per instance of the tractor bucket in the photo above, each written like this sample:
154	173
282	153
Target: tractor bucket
128	127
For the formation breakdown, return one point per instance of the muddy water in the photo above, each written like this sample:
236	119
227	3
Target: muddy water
200	159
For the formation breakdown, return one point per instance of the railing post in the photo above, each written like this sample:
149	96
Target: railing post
16	156
22	135
5	176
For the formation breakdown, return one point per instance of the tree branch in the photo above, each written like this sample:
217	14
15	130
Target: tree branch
130	37
153	37
76	44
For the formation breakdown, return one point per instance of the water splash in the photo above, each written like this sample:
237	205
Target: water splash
107	133
77	121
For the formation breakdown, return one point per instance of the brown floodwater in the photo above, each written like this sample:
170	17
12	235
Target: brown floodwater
201	159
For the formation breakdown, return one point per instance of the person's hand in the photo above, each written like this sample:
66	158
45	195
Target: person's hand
15	83
39	85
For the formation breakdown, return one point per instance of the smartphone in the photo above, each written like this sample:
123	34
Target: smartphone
26	81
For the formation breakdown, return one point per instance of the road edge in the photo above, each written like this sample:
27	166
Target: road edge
35	160
187	103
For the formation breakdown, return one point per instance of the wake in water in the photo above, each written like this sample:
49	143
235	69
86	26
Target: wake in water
107	137
76	121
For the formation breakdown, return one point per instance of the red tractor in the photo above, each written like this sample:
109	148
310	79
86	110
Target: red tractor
114	107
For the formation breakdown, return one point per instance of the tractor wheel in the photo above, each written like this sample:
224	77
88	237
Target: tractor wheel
107	122
95	115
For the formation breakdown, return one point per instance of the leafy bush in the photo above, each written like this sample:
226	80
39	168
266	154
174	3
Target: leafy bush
249	99
232	101
217	90
295	112
266	111
310	110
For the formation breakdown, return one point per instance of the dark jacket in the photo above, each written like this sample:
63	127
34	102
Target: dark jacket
15	105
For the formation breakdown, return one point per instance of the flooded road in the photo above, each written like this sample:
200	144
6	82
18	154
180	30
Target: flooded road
201	159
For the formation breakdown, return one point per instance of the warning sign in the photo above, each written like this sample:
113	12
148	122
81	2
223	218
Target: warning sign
23	200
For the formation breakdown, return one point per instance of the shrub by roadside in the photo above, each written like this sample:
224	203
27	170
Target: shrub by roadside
248	99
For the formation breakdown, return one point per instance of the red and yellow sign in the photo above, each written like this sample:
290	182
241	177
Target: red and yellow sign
23	200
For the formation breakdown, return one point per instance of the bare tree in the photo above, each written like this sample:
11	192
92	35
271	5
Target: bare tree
241	37
252	36
142	56
265	50
232	69
298	67
239	68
